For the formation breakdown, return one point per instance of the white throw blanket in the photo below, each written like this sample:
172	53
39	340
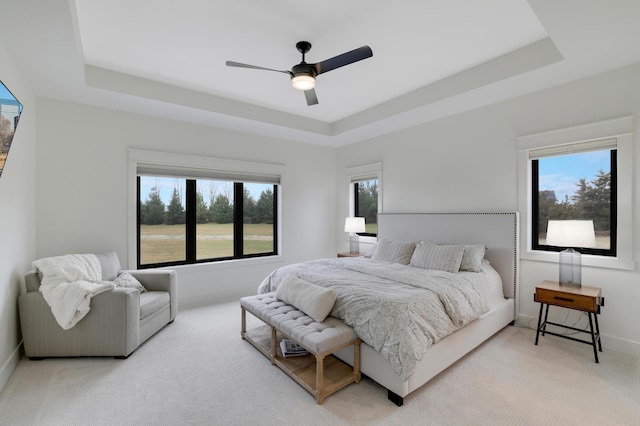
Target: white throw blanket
67	285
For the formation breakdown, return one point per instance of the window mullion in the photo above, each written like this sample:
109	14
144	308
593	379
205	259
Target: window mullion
535	205
238	219
275	219
190	220
613	210
138	220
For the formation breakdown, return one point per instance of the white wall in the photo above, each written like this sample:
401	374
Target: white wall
17	216
468	162
82	166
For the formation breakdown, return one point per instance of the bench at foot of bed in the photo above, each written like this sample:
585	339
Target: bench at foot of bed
319	372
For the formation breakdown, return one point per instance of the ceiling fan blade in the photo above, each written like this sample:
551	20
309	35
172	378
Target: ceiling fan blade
347	58
240	65
312	99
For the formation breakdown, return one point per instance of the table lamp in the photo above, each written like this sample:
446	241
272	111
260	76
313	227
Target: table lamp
353	225
571	233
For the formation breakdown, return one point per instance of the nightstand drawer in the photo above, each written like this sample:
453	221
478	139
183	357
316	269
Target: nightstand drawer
568	300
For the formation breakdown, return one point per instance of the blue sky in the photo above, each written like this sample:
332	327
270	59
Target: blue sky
7	98
166	185
560	174
4	93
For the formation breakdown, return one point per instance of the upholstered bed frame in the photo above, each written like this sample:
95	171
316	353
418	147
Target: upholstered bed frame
499	233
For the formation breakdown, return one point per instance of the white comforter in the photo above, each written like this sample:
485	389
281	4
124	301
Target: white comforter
398	310
68	283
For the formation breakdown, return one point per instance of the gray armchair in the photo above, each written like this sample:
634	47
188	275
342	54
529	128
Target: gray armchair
117	323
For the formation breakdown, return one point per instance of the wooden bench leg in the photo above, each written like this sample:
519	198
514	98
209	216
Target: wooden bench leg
356	360
274	345
320	379
243	322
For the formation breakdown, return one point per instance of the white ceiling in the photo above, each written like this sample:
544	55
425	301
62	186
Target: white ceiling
431	58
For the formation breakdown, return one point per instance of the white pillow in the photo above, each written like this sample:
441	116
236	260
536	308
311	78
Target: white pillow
393	251
126	280
371	251
110	265
472	258
311	299
433	256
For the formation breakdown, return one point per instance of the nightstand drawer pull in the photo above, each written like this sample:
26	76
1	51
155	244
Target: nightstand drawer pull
564	299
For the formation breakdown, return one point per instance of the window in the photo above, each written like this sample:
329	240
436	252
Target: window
183	221
615	134
365	197
196	209
575	182
365	204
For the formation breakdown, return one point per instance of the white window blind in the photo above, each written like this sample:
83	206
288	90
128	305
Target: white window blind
356	179
197	173
573	148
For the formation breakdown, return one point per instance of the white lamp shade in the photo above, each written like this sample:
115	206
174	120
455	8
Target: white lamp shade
571	233
354	224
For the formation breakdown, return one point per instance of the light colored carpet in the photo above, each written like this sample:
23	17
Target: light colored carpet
198	371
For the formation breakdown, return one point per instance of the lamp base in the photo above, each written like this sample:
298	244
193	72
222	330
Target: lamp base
570	268
354	245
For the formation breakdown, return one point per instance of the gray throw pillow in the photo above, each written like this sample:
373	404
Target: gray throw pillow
472	258
126	280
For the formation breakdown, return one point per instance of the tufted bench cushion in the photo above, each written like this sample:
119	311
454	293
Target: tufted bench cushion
317	337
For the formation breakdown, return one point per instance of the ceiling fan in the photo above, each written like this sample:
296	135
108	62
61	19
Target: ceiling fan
303	76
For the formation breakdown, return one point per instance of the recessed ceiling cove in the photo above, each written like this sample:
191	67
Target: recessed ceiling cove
416	44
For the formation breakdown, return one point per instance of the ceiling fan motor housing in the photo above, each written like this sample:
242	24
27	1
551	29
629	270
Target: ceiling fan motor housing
303	69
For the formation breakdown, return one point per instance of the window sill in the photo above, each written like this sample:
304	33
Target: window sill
232	263
587	260
369	240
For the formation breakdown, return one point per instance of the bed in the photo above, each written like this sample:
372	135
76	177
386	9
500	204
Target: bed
466	307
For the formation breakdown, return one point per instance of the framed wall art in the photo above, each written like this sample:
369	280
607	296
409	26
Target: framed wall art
10	110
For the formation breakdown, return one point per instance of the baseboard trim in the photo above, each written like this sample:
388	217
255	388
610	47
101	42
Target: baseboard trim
10	364
613	343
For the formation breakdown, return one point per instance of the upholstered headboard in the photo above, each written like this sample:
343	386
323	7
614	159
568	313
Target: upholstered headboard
497	231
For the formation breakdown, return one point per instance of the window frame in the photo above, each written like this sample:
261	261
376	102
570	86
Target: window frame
205	168
356	205
622	129
191	235
360	173
535	211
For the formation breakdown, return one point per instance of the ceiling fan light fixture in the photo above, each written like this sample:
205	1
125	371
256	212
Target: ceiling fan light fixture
303	75
303	82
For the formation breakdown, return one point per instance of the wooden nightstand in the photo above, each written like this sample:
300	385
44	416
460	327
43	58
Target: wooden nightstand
347	254
586	299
